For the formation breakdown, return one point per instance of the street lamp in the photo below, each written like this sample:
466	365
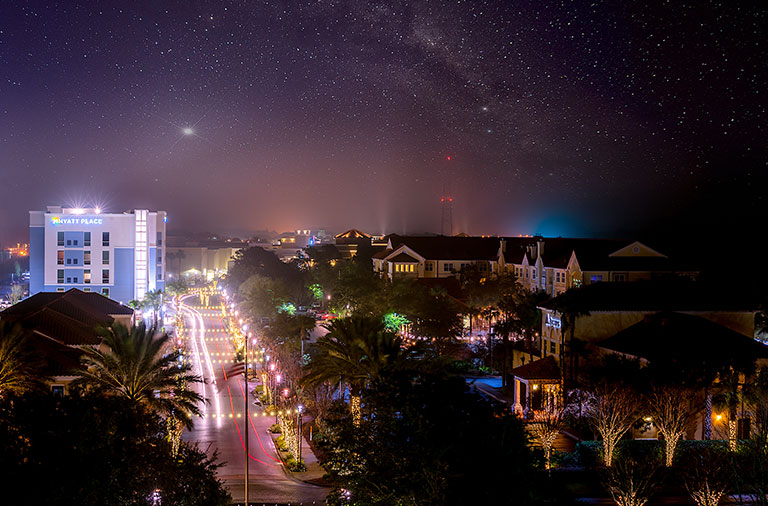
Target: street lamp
299	422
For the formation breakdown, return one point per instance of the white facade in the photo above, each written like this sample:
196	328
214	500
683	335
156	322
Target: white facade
119	255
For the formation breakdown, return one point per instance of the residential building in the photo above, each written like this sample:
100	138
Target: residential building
549	264
60	325
644	320
556	264
435	256
119	255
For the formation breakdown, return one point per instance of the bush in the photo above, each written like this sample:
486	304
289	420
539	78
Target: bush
280	443
275	429
590	453
564	459
293	465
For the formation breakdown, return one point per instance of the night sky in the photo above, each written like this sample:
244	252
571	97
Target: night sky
562	118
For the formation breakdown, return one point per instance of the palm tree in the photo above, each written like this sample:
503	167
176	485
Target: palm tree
18	373
729	400
355	351
176	289
153	300
135	365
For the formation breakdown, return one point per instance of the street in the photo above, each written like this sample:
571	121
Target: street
223	427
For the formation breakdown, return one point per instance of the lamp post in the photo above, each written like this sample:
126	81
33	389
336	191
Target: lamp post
245	400
299	421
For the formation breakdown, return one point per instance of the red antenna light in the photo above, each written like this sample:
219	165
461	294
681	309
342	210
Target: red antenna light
442	199
448	157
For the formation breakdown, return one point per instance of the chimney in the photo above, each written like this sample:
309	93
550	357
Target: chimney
540	244
532	251
503	245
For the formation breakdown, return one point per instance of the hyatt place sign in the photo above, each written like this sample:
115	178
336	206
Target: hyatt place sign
76	220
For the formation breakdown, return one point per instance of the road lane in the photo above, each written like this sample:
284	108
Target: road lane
223	427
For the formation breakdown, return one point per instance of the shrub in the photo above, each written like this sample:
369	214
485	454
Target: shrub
275	428
293	465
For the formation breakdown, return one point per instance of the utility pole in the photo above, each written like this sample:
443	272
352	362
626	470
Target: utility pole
245	397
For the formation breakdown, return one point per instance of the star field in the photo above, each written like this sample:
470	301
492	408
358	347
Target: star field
572	118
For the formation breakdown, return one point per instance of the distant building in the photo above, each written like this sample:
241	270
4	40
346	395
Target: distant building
60	325
20	250
549	264
206	258
435	256
350	241
119	255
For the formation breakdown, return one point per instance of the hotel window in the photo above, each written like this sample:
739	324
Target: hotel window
87	289
160	259
69	279
75	279
86	258
597	278
60	276
75	261
428	267
87	276
60	257
620	277
60	289
69	261
533	273
105	257
159	239
159	274
74	242
60	238
87	239
447	267
105	238
69	242
105	292
552	347
105	276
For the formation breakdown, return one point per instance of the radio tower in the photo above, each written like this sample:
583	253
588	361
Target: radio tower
446	212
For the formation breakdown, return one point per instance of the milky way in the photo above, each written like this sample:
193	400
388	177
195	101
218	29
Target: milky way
572	118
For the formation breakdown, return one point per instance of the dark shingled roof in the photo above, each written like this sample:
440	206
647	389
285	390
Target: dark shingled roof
70	317
654	295
670	336
382	254
543	369
404	257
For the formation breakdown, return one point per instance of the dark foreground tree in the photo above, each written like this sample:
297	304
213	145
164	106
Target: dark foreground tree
94	451
142	367
416	442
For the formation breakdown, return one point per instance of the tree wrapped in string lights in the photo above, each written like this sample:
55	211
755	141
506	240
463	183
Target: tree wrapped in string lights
611	414
670	410
544	431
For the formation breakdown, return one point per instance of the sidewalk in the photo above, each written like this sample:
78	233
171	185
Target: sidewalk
314	472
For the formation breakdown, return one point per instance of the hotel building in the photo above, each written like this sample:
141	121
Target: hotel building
119	255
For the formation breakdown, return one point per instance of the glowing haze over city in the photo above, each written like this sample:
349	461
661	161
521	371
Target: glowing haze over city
582	118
